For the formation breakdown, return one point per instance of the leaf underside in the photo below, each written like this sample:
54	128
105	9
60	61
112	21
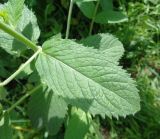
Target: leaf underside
84	78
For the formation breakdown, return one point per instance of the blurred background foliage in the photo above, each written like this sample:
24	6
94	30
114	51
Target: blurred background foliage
140	36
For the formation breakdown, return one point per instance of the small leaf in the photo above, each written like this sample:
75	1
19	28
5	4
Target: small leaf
47	110
78	124
84	78
110	46
103	16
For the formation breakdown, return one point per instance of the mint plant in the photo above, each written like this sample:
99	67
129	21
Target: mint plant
83	75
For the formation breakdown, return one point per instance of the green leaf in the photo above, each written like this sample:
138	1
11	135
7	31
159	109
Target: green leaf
78	124
87	8
47	110
5	128
14	10
110	17
27	25
84	78
109	46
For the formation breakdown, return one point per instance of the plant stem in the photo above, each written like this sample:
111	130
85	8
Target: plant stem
18	36
10	103
93	18
69	18
24	97
20	68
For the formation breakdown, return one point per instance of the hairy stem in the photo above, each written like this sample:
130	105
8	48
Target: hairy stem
93	18
18	36
21	68
69	18
23	98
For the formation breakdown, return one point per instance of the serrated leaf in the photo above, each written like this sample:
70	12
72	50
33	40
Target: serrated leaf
27	25
47	110
84	78
14	10
78	125
109	45
5	129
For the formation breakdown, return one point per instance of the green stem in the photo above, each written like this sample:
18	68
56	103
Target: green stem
18	36
23	98
21	68
93	18
69	18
